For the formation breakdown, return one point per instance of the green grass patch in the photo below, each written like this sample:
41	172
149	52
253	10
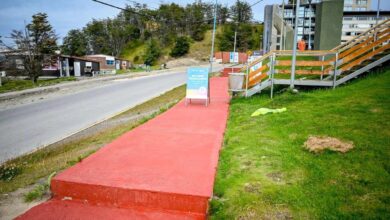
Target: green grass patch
37	193
122	71
264	172
9	85
303	58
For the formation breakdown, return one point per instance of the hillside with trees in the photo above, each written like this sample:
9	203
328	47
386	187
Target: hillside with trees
141	34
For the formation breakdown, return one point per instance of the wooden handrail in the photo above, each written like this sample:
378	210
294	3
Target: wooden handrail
261	69
257	80
302	72
349	52
364	49
360	35
303	63
354	48
365	57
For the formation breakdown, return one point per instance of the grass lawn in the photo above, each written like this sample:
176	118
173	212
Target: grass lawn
20	84
265	173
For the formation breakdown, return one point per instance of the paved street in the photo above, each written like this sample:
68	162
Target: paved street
27	127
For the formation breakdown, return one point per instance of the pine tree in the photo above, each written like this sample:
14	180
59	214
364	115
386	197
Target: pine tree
36	44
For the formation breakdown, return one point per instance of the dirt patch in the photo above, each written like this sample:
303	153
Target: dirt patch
376	110
249	215
13	204
293	136
280	215
276	177
319	144
183	62
252	187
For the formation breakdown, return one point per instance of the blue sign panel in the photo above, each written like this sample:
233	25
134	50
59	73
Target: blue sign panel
197	83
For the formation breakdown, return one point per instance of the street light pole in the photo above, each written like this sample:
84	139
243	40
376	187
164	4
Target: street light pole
294	57
282	31
213	37
212	50
235	43
310	12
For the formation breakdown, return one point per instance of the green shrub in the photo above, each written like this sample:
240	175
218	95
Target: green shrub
8	172
182	46
152	53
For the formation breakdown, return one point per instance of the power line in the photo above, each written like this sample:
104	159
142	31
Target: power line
141	14
123	9
256	3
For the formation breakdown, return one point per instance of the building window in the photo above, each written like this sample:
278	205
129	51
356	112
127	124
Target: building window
300	22
347	8
363	26
19	64
301	12
109	62
348	2
348	18
361	2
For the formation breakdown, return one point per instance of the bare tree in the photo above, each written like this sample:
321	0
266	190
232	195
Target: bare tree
35	45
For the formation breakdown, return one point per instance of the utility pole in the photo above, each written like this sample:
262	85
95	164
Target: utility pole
235	42
310	12
212	49
213	37
294	57
282	31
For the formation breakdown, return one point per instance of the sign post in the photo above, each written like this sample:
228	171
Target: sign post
197	84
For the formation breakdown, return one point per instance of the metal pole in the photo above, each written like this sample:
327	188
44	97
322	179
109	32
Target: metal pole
376	22
247	78
235	43
272	74
282	31
335	71
322	67
377	12
213	37
310	11
294	57
235	40
212	47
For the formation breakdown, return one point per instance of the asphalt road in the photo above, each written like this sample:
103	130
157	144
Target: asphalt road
25	128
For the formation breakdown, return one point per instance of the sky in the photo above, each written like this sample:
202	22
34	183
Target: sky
65	15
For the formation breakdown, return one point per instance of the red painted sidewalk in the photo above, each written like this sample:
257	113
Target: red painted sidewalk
163	169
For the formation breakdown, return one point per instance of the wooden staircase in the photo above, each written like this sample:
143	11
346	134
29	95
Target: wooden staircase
328	68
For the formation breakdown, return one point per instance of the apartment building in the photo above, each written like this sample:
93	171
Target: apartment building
357	5
319	23
357	22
